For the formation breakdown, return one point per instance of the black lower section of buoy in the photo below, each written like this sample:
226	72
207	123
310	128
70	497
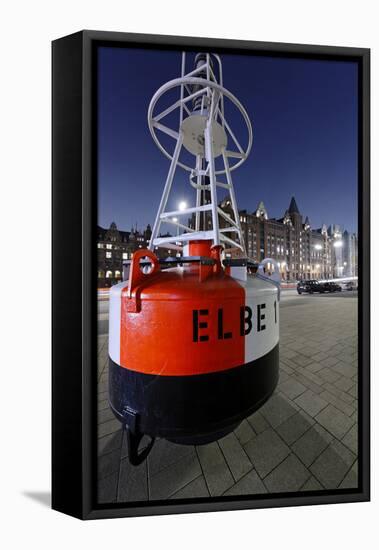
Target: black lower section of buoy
192	409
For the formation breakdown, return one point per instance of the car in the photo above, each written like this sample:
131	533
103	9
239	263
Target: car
350	285
313	285
331	287
309	286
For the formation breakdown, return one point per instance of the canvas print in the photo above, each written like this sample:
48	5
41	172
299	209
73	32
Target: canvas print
227	275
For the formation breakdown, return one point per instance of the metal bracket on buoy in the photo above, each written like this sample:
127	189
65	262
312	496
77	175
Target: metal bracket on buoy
134	437
137	277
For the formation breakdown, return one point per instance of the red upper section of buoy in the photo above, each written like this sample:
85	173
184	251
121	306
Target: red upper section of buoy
182	321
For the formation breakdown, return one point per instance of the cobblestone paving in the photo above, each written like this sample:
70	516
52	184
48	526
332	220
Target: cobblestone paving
304	438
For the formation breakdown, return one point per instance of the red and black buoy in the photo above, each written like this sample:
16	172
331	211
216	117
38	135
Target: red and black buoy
193	340
193	351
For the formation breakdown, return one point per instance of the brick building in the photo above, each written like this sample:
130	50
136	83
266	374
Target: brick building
302	252
113	248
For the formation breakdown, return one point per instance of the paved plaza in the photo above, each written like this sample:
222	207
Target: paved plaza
303	438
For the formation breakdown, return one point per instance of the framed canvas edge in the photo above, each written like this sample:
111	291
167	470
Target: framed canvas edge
91	510
66	421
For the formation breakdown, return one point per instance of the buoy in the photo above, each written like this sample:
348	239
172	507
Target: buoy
194	340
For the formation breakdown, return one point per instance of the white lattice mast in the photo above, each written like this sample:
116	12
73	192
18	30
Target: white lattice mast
202	130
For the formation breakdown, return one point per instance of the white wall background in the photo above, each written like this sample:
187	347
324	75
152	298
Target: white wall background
26	31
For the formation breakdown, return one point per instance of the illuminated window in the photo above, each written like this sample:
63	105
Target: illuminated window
108	254
109	246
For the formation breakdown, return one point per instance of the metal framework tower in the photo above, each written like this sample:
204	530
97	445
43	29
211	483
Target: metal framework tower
198	125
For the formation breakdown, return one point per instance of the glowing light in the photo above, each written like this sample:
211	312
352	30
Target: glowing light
174	219
338	244
318	247
182	206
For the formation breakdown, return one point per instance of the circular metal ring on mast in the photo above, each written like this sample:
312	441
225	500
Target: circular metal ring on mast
221	129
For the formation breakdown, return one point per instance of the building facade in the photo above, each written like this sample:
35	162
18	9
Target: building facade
113	248
350	254
301	251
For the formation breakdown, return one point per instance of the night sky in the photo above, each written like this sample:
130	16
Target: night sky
304	116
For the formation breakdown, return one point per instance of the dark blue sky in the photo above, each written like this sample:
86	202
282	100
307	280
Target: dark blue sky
304	116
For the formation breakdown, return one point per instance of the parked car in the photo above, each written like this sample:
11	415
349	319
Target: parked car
331	287
309	286
350	285
312	286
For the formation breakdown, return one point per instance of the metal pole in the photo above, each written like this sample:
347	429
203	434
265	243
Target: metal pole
166	190
182	87
198	192
233	199
212	176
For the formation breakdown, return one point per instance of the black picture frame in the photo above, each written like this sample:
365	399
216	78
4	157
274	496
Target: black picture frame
74	299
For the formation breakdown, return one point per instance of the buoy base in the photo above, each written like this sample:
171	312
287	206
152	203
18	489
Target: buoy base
192	409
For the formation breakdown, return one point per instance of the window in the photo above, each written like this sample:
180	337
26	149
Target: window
99	245
109	246
108	254
125	256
